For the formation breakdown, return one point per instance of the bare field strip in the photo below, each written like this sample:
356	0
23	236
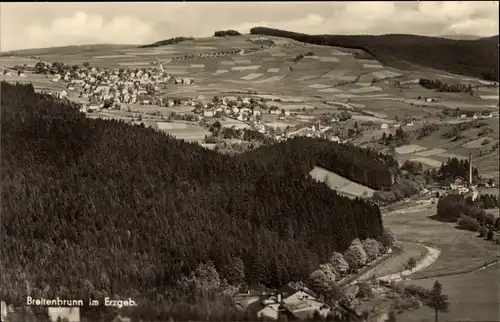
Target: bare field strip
282	98
410	148
220	72
171	126
136	63
428	153
197	65
340	53
474	144
411	81
240	60
366	118
385	74
242	68
370	89
307	77
489	97
329	60
279	54
373	66
114	56
269	80
251	76
319	86
273	70
329	90
227	63
430	162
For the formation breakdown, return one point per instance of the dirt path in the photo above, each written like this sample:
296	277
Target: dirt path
429	259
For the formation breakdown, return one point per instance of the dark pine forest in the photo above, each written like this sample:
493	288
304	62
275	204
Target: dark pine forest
98	207
477	58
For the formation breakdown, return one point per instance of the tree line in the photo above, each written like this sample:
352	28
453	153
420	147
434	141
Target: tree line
98	207
224	33
169	41
472	58
443	87
454	168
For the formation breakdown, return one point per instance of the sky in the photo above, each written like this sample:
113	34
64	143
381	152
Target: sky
50	24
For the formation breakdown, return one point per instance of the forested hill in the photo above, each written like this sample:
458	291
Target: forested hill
477	58
98	207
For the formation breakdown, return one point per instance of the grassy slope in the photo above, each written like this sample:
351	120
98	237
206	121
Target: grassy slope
477	58
472	297
461	250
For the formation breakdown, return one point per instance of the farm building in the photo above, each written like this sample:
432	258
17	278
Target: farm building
384	126
208	113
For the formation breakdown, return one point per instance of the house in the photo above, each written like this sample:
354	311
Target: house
335	139
384	126
463	116
397	125
411	123
71	314
63	93
208	113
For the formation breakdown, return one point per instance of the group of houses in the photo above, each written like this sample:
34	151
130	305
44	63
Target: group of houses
117	86
294	301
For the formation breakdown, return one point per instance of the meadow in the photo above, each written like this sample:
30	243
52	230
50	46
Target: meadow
461	251
472	297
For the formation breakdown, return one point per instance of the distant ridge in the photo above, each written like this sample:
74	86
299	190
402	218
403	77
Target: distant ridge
461	37
477	58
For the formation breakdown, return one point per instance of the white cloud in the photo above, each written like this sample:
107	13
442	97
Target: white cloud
126	29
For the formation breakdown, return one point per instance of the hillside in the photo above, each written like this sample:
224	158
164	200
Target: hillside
477	58
92	208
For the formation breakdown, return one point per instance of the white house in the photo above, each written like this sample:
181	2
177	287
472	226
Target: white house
63	93
335	139
384	126
208	113
411	123
397	125
72	314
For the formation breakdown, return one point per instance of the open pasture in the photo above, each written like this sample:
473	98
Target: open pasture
461	250
185	132
477	143
427	161
432	152
339	183
410	148
472	297
229	122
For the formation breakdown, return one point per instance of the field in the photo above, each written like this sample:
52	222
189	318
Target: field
461	250
340	184
331	74
472	297
396	263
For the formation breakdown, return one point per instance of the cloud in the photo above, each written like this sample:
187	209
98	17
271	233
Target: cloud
82	28
42	24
